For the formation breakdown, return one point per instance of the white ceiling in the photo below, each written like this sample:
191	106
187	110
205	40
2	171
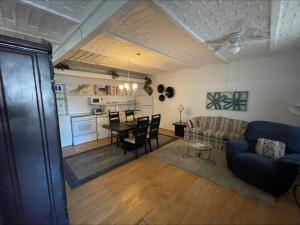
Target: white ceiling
278	20
169	34
53	20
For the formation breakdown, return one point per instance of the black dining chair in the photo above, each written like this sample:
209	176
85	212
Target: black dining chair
153	130
114	117
139	139
129	113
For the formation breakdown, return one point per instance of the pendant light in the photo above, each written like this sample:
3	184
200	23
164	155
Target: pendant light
126	84
134	85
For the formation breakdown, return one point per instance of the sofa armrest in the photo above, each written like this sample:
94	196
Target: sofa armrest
292	159
286	170
233	147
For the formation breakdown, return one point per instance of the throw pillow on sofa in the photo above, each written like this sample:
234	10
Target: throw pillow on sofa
270	149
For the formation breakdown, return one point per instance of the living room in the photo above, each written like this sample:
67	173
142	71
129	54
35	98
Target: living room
150	112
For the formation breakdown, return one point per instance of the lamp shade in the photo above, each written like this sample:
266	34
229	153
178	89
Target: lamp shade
294	109
180	107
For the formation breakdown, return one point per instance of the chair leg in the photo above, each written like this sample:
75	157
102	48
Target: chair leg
157	142
149	142
118	141
111	138
146	150
136	153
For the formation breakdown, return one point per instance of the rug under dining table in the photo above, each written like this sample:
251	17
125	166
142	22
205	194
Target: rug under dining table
85	166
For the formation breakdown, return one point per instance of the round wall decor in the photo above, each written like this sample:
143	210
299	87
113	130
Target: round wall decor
169	92
160	88
161	97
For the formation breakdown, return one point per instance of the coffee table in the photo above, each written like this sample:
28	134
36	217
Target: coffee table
201	147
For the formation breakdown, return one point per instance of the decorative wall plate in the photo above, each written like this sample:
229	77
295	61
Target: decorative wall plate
169	92
160	88
161	97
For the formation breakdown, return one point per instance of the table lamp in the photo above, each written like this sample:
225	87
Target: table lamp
180	108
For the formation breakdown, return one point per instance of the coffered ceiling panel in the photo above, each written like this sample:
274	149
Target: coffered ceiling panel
162	46
110	51
148	26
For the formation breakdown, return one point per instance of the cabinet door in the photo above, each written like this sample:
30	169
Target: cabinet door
102	133
32	185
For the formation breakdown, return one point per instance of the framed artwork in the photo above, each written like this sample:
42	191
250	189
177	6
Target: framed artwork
230	100
100	90
104	90
80	89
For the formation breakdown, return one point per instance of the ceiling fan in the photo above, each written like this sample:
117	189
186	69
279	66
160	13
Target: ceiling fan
235	39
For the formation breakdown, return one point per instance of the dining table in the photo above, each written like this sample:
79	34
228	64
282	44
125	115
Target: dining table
121	126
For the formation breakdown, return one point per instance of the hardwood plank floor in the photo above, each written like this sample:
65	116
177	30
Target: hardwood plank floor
149	191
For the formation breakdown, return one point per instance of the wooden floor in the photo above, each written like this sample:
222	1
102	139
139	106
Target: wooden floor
149	191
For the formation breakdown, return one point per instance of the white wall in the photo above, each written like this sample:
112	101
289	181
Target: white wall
273	84
81	104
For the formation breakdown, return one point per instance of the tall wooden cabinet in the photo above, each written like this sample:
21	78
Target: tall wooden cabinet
31	174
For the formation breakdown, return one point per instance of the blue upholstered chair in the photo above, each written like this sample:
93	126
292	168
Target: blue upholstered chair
273	176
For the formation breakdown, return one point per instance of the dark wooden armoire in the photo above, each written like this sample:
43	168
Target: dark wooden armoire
31	175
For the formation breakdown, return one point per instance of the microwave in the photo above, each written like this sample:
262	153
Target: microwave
96	101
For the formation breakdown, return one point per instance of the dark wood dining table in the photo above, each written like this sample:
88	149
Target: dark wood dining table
121	127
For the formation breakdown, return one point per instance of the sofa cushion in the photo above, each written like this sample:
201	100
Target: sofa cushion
236	126
225	135
255	169
195	130
208	132
216	123
270	149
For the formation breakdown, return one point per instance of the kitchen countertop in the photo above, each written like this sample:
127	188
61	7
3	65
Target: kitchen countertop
91	114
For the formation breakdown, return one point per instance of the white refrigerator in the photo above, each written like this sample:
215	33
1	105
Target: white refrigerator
144	104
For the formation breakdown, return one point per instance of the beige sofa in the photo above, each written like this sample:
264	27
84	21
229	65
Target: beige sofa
218	128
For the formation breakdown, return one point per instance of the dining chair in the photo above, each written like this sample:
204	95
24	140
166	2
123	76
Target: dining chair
153	130
114	117
129	113
137	141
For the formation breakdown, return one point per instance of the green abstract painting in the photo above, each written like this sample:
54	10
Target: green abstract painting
230	100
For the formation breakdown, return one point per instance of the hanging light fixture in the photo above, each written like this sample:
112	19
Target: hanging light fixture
126	84
134	86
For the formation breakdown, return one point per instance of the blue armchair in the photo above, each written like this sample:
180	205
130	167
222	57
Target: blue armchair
273	176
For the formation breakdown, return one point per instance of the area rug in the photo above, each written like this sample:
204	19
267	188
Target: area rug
85	166
217	173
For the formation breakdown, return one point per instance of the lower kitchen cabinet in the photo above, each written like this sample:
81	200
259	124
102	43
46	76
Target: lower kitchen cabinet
102	120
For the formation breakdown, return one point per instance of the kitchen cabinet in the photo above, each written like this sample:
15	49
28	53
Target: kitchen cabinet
84	129
65	131
102	120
